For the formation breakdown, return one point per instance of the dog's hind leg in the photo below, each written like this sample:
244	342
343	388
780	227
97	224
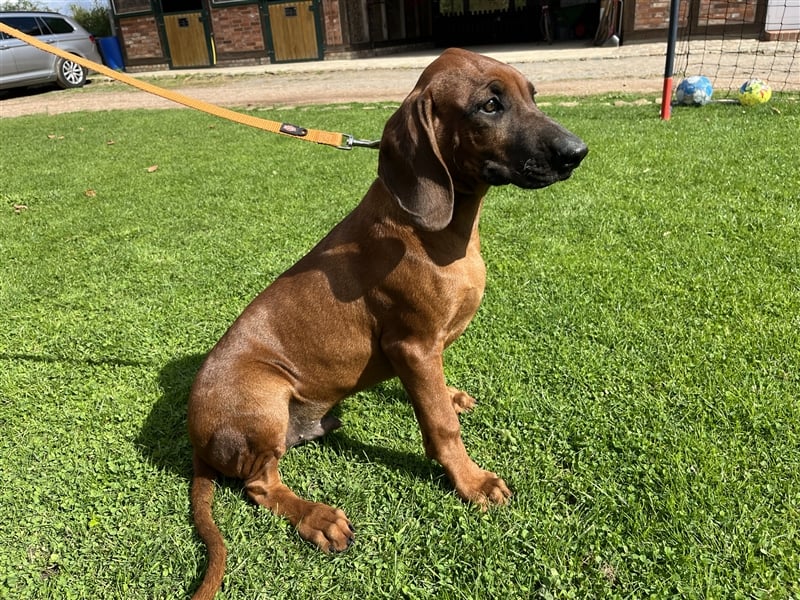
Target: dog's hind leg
324	526
241	427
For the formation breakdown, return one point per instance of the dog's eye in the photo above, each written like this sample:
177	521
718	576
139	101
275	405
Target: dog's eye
492	106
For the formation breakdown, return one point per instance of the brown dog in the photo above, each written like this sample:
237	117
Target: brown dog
382	295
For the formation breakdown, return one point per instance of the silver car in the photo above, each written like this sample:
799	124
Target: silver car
23	65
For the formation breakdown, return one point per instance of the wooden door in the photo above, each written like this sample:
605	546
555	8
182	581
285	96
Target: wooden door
294	29
186	36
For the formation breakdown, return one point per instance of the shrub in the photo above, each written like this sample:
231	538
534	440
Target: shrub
96	20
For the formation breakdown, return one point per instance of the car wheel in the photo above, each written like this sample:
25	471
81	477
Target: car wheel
70	74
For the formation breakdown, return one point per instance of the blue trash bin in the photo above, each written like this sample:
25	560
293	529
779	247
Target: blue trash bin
111	52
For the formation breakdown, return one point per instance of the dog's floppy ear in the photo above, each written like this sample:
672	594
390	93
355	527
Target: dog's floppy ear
411	165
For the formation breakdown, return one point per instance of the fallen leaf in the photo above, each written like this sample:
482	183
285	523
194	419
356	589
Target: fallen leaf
90	193
110	143
152	168
18	208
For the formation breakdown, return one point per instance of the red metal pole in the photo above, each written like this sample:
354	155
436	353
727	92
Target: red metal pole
666	92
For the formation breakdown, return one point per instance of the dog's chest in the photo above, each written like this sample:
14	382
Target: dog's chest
467	282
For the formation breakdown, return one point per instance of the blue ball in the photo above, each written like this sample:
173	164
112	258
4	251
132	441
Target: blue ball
694	91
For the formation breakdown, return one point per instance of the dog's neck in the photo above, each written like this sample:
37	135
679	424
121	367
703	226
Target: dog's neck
466	214
460	237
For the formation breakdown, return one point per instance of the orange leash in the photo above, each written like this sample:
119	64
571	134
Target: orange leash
341	141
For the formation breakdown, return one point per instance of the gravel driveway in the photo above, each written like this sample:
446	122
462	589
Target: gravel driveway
561	69
564	70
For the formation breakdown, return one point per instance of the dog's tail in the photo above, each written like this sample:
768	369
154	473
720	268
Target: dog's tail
202	496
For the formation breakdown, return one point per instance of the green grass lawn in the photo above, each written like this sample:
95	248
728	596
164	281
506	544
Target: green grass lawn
635	360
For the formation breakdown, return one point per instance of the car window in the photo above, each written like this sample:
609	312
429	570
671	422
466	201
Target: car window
57	25
29	25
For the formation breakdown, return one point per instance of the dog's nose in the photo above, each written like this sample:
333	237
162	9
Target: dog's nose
569	151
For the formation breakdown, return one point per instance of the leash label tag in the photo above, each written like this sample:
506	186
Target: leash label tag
295	130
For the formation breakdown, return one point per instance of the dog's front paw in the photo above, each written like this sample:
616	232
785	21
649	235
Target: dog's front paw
327	528
462	402
484	489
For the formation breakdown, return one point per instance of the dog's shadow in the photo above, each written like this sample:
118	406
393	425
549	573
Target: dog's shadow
164	441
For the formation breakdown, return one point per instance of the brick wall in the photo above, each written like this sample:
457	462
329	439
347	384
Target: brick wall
333	23
140	37
654	14
720	12
237	29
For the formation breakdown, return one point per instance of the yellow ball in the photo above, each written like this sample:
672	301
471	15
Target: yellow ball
754	91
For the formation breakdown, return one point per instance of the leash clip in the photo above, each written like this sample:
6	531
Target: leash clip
350	142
